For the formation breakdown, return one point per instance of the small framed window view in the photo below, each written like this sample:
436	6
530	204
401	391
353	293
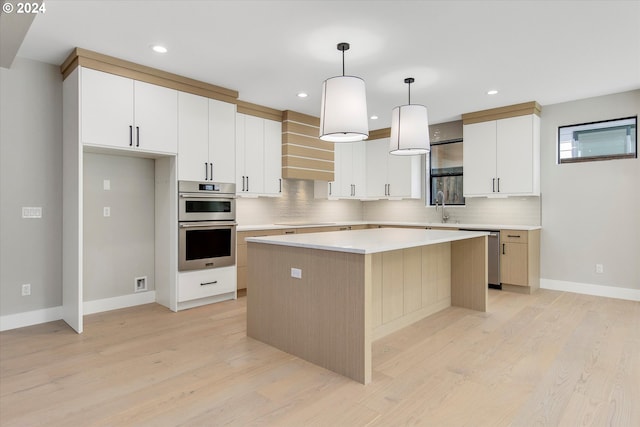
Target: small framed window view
603	140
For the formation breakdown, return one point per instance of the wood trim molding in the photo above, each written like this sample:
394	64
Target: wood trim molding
259	111
502	113
379	134
109	64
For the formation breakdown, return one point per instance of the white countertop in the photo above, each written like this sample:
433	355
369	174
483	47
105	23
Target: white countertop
368	241
300	224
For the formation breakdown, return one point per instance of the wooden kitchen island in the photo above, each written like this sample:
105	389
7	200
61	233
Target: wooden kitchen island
325	297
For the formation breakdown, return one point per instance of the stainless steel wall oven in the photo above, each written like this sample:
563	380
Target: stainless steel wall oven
206	225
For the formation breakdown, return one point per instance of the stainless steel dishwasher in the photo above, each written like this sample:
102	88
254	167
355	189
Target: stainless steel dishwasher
493	262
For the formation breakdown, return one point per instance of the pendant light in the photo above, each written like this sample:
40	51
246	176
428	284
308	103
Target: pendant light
343	115
409	128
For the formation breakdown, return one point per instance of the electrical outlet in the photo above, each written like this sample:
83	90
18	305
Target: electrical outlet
599	268
140	284
296	273
26	289
106	211
106	185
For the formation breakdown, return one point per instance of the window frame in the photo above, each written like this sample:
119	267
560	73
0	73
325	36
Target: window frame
633	155
429	176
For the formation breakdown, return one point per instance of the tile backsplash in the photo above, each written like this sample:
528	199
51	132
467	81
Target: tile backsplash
297	204
478	210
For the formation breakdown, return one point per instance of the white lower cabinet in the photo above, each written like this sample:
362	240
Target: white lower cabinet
198	284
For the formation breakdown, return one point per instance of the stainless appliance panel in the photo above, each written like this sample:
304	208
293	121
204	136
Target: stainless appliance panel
204	244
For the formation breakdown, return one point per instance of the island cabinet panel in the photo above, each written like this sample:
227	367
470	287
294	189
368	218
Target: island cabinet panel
392	286
408	285
412	277
436	273
322	317
469	274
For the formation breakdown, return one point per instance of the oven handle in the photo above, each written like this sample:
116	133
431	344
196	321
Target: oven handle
207	224
207	196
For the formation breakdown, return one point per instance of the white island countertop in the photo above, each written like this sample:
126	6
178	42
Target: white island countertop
368	241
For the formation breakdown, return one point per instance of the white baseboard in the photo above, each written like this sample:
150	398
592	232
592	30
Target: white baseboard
35	317
589	289
29	318
107	304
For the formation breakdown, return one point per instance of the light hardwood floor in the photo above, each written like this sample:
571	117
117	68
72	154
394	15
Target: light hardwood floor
550	358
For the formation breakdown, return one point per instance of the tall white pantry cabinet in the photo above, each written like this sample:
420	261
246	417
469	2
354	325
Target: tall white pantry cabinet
106	113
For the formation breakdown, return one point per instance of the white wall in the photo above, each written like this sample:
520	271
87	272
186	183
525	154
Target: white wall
590	210
30	175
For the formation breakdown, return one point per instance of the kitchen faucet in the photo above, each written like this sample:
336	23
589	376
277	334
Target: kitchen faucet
445	217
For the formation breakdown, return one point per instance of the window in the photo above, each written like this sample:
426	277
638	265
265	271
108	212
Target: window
445	172
604	140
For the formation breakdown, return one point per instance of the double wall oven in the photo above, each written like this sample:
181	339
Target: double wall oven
206	225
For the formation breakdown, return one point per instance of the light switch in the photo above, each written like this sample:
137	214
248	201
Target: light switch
106	185
106	211
296	273
31	212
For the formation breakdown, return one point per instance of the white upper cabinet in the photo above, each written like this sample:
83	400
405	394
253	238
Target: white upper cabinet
127	114
272	157
222	141
502	157
390	176
206	139
258	156
349	171
193	137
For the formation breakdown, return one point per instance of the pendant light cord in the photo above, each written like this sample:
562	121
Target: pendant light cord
408	81
343	63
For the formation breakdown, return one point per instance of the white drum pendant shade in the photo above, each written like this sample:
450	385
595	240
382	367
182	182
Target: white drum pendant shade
409	130
343	115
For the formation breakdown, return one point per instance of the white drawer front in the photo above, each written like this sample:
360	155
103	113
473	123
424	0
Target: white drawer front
205	283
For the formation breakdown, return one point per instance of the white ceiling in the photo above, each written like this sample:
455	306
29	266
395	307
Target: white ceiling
548	51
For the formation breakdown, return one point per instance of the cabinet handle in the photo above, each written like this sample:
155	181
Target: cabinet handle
493	185
206	171
208	283
243	183
137	136
503	252
517	236
498	185
130	136
280	184
247	182
211	170
388	189
330	189
289	232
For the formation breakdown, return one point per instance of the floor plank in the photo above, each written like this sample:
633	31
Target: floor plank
550	358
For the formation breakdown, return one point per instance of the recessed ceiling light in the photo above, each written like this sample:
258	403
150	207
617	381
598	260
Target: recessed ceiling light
492	92
159	49
374	117
302	95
